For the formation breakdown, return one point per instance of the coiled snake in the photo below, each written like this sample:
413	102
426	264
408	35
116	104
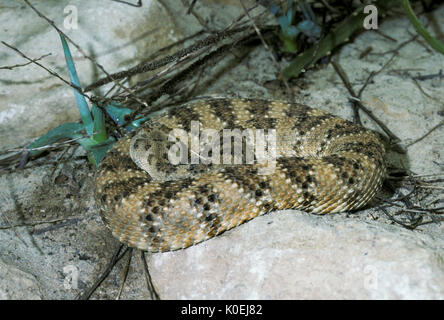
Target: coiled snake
323	164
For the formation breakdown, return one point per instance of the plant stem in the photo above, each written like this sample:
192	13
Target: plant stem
81	102
434	43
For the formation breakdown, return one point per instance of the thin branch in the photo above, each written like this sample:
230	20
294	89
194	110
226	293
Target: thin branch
138	4
25	64
51	23
169	87
53	73
264	43
385	36
426	134
359	104
332	9
152	290
35	223
349	87
439	75
190	8
425	93
125	273
114	259
411	226
10	226
142	68
373	74
401	45
199	19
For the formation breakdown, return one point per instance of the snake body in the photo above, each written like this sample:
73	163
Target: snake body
323	164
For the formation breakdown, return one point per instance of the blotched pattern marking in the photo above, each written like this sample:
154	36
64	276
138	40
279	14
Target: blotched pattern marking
324	164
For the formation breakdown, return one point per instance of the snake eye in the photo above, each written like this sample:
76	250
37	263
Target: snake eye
137	143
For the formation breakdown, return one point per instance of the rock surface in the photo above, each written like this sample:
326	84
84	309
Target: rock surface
294	255
283	255
16	284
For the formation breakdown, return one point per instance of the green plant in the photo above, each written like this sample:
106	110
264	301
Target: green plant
433	42
346	29
291	29
90	133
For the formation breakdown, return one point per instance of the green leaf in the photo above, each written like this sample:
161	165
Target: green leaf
332	40
118	113
340	35
434	43
81	102
99	124
70	130
96	151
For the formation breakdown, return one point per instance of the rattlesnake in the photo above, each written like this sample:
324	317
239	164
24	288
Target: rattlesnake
324	164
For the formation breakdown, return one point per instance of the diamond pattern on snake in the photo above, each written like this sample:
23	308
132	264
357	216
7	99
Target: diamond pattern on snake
323	164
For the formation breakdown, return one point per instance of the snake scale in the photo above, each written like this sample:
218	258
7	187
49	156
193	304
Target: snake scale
323	164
